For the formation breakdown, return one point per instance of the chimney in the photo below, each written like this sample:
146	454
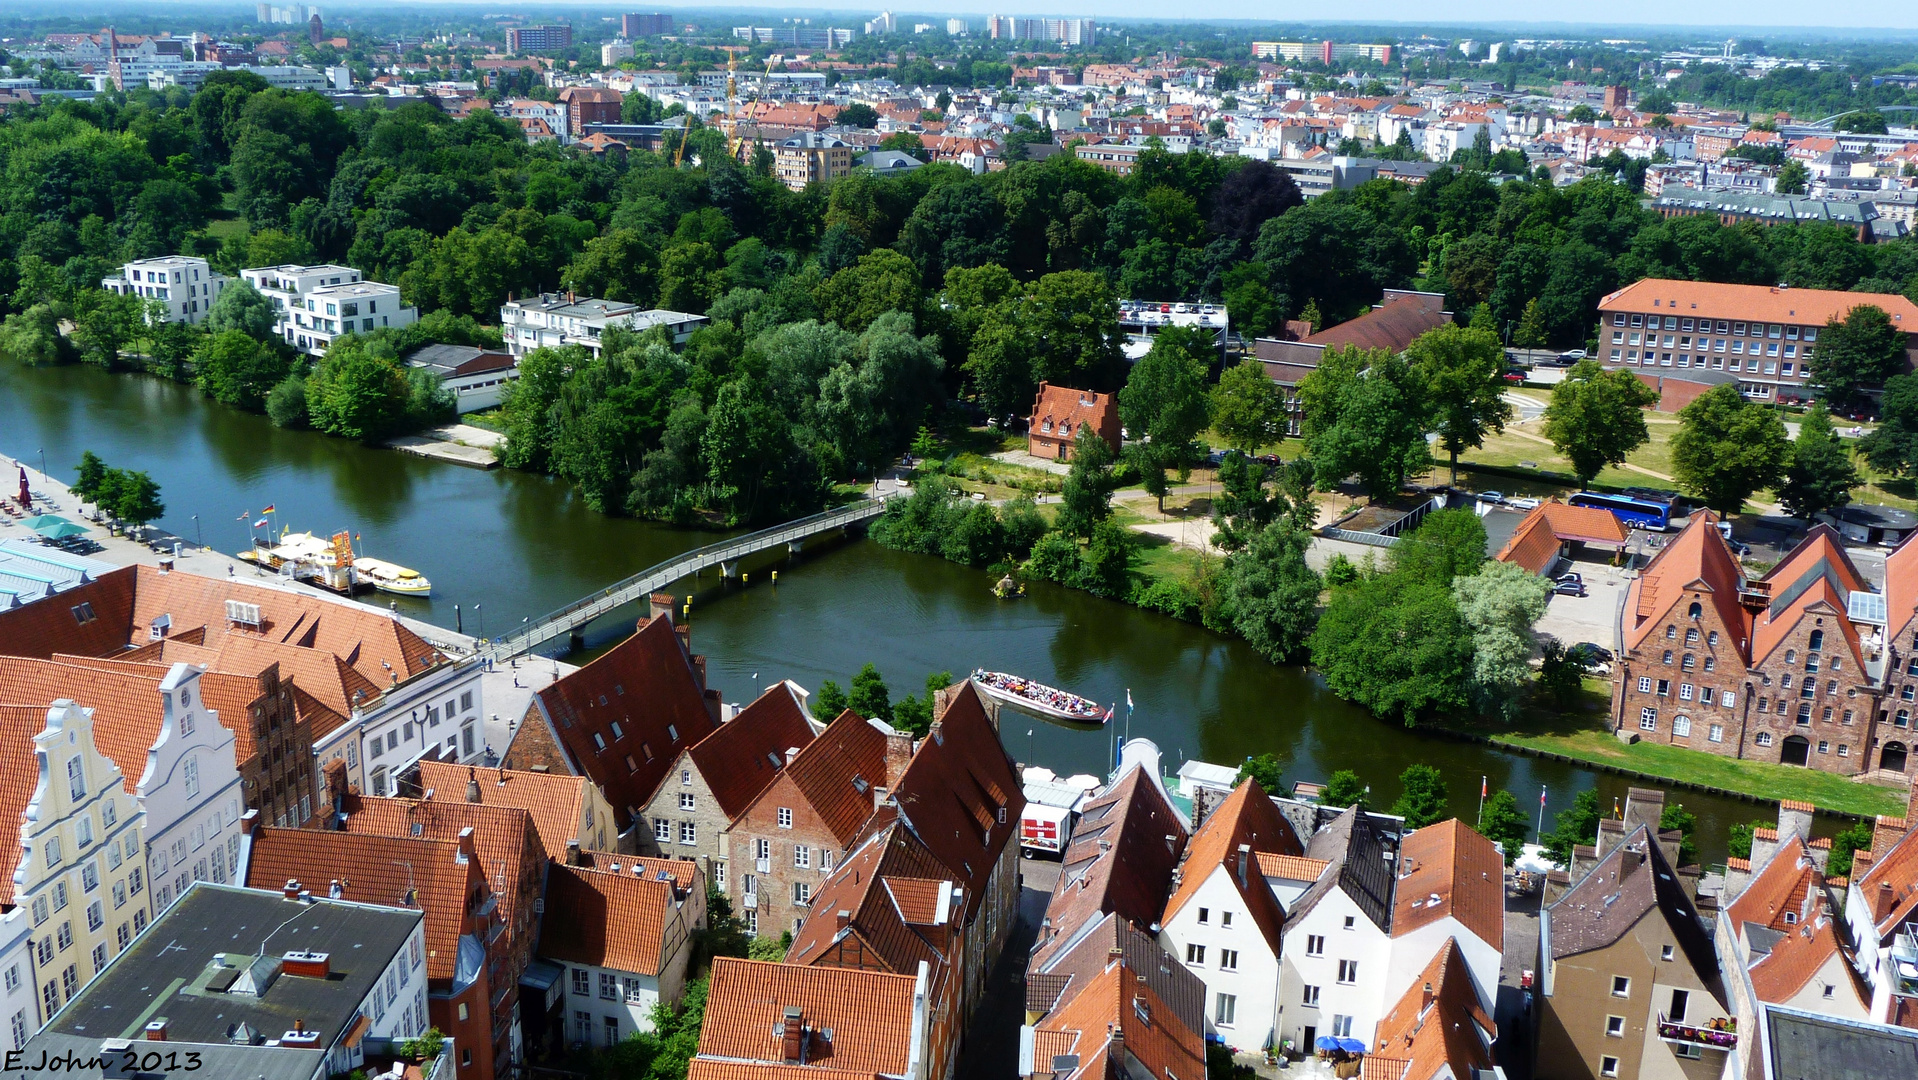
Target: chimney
791	753
156	1031
1245	853
1117	1050
467	849
334	891
1887	831
793	1036
1883	899
1426	1002
307	965
879	796
291	890
842	918
898	756
573	857
660	604
472	785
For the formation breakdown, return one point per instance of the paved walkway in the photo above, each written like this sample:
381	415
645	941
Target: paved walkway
1021	458
460	444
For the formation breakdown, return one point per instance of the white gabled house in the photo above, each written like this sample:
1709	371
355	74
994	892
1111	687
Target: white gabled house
1337	937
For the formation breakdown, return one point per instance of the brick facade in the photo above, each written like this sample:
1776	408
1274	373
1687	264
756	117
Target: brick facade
685	802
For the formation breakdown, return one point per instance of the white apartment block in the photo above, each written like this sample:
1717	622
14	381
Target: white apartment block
551	320
183	283
316	304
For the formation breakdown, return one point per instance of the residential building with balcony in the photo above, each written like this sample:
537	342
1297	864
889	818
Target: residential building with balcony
321	988
183	284
1764	336
314	305
811	158
555	319
521	40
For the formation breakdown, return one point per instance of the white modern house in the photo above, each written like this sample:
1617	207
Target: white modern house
183	283
434	715
316	304
1450	887
554	319
191	794
477	378
1338	943
16	983
1224	923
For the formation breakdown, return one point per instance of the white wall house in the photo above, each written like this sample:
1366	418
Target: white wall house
1336	959
434	715
183	283
314	305
554	319
16	978
614	981
191	794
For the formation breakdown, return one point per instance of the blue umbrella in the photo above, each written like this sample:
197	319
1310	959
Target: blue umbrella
1351	1046
1325	1042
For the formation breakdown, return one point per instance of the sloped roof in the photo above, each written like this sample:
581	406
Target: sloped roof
1119	861
42	629
1767	303
374	869
961	794
646	685
1534	544
889	889
551	798
1066	410
1901	585
1248	817
1438	1023
836	772
1068	971
1695	562
1782	886
1800	954
125	700
869	1012
504	836
19	776
1291	867
605	919
1896	869
1399	318
1117	999
1815	572
1632	882
745	753
1461	869
1355	852
329	679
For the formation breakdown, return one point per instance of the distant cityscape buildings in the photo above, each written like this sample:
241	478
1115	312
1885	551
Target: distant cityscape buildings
806	37
288	14
525	39
639	26
1323	51
1063	31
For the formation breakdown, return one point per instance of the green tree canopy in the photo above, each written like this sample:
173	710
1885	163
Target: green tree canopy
869	697
237	369
1422	797
1576	824
1727	448
1345	789
1855	355
1366	414
1248	408
1266	769
1463	372
1396	645
1500	604
1821	474
1164	405
1267	593
1086	499
1892	447
1447	544
1502	822
1596	417
241	307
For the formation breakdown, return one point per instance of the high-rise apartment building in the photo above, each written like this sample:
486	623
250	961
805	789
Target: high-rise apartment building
1063	31
528	39
639	26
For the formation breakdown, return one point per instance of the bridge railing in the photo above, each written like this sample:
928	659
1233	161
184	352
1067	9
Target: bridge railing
659	575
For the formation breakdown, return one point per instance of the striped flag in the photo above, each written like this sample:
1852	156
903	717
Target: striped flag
260	524
268	510
1483	788
244	514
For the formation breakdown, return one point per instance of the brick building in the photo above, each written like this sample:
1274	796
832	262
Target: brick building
1399	317
713	781
1764	336
1785	668
1892	740
567	810
784	845
766	1021
1058	412
623	719
589	105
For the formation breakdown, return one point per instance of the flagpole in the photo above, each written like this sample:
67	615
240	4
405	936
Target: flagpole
1541	813
1482	781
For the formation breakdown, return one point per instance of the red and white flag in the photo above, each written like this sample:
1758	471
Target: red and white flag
1483	788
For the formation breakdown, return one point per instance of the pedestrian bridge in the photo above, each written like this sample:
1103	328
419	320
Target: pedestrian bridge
724	554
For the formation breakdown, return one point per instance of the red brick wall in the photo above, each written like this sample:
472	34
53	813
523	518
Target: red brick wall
761	822
1673	393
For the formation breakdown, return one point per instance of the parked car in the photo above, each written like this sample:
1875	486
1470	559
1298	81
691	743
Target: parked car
1493	497
1522	502
1515	377
1569	588
1568	576
1592	649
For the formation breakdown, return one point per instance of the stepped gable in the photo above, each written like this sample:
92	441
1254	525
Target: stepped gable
1247	818
1694	560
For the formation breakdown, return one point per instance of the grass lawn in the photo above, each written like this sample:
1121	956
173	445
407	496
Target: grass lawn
969	456
1584	734
227	228
1159	559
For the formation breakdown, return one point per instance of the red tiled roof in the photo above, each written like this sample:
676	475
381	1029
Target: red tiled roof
681	872
125	704
1782	886
1118	998
1802	953
553	800
835	773
1695	562
50	626
745	754
1399	318
1060	411
19	776
646	685
1438	1023
1820	553
1535	543
607	920
1291	867
890	888
1452	862
1119	861
1813	307
376	870
961	794
503	835
1247	817
869	1012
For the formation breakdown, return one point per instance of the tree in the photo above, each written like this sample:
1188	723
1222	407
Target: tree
1727	448
1164	404
241	307
1395	645
92	471
1793	178
1266	769
828	702
1247	406
1422	797
1447	544
1500	604
237	369
1821	474
1503	823
859	115
1365	414
1856	354
1845	843
1893	447
1532	332
286	404
1086	499
1576	824
1268	594
1345	789
130	496
1676	817
869	697
1462	369
1738	839
914	714
357	394
1596	417
33	337
105	323
1251	195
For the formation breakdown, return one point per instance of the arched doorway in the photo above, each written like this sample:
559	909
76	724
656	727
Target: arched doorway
1796	751
1892	757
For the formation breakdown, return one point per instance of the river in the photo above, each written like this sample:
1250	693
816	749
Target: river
504	546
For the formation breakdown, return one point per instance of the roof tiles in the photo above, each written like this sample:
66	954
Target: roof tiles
605	919
870	1014
1449	870
1248	817
739	759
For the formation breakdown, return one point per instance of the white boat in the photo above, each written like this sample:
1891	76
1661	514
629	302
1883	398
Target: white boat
1039	699
391	577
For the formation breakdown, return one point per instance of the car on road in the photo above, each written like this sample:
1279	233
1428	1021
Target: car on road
1569	588
1515	377
1522	502
1496	498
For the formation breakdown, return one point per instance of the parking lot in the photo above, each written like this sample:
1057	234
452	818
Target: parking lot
1592	617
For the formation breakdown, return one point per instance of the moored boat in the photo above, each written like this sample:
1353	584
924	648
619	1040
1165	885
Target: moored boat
1039	699
392	578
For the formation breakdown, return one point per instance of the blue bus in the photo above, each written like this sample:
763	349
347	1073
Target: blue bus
1635	513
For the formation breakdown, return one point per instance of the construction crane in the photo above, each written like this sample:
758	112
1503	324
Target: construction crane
735	142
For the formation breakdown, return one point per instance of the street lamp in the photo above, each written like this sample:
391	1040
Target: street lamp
198	536
44	476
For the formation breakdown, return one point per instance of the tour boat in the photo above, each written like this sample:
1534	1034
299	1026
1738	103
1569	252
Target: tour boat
1038	698
390	577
